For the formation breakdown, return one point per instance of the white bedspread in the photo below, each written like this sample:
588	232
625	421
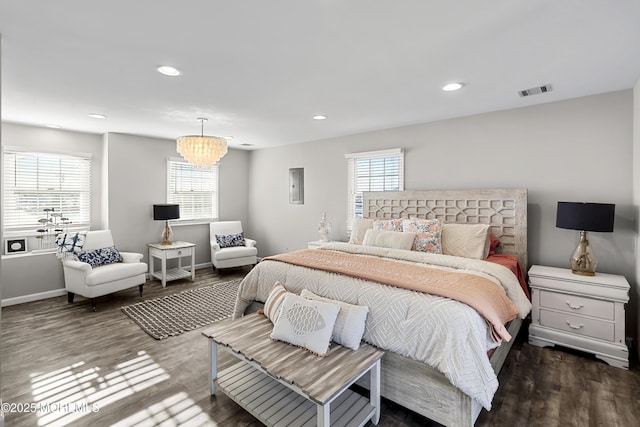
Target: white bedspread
445	334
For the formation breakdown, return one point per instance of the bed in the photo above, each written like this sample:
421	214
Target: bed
407	377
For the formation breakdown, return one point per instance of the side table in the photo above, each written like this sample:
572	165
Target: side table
582	312
174	250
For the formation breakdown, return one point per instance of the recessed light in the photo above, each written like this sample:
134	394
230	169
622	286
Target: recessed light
246	144
53	126
97	116
319	117
168	71
452	86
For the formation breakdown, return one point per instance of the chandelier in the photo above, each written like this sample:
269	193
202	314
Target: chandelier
200	150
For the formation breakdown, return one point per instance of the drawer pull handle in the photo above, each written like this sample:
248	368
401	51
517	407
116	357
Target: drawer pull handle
575	307
580	326
179	252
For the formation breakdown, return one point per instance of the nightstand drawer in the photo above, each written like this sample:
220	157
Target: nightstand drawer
178	252
578	325
578	305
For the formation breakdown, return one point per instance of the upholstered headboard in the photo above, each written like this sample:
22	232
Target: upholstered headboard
505	210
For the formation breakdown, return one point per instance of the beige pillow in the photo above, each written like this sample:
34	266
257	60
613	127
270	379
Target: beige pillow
389	239
466	240
359	229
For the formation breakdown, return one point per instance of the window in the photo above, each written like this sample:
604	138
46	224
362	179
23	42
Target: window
372	171
35	181
194	189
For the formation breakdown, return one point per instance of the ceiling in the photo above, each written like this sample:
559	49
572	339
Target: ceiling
259	70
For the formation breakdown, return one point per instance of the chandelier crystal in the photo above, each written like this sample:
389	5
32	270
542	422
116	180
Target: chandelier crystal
200	150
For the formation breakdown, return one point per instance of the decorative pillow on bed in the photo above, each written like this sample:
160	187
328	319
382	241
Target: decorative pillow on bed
388	239
350	323
230	240
387	224
494	243
466	240
274	302
102	256
360	227
428	234
305	323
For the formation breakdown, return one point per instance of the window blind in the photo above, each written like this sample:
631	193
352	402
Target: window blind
194	189
372	171
35	181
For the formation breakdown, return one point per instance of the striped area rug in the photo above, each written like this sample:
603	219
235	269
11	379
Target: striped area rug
172	315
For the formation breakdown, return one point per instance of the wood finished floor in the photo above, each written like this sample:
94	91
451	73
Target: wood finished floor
51	349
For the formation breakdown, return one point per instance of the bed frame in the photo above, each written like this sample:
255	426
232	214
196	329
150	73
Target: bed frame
411	383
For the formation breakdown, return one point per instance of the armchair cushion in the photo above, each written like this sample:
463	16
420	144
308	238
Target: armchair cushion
235	252
114	272
102	256
230	240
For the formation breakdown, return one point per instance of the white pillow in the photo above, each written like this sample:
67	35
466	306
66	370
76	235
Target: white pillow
350	324
360	227
466	240
389	239
306	323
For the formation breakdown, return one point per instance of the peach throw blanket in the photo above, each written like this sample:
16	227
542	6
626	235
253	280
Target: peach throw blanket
478	292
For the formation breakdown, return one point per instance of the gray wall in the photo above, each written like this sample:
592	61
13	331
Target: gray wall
129	176
574	150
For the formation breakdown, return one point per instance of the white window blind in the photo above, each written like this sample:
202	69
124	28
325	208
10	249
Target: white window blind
35	181
194	189
372	171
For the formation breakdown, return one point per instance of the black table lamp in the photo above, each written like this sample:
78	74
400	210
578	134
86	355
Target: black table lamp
585	217
165	213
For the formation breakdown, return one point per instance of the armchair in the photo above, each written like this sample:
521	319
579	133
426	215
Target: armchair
229	247
93	281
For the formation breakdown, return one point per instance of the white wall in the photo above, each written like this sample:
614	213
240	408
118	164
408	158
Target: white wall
574	150
129	176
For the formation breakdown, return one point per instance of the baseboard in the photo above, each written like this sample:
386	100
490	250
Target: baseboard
33	297
60	292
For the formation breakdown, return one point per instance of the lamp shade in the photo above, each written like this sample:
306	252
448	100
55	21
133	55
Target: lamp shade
166	212
586	216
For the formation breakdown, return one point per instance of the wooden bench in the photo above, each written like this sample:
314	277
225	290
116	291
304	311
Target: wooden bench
283	385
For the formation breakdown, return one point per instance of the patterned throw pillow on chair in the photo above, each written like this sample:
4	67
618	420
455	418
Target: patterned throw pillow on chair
70	244
102	256
230	240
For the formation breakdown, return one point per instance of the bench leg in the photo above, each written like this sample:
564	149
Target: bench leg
324	415
374	392
213	365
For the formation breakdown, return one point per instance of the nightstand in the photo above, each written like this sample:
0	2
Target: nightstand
581	312
173	250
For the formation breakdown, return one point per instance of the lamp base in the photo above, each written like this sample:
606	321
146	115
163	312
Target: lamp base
583	261
167	233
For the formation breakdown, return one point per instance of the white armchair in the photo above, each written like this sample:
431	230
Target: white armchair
91	282
227	249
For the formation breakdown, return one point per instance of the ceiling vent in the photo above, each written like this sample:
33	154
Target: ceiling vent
535	90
